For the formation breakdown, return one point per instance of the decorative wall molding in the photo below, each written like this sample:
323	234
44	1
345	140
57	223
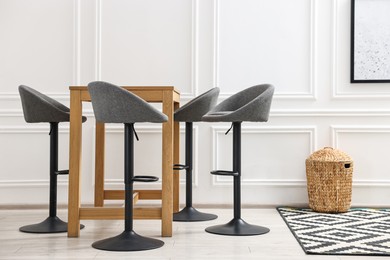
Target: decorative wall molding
336	93
11	96
309	130
311	94
194	53
185	96
112	129
76	43
370	183
31	183
334	65
274	113
11	113
26	129
29	130
295	110
338	129
16	113
98	40
330	113
216	48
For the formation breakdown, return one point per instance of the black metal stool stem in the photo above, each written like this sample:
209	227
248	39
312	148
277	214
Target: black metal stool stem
129	174
237	168
128	240
52	224
189	213
53	168
189	137
237	226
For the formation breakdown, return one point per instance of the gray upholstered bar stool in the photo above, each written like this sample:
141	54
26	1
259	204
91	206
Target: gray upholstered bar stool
39	108
112	104
189	113
252	104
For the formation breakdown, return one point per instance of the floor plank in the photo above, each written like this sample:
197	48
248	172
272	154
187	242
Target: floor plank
189	241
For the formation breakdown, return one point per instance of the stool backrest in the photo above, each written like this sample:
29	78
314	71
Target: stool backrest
251	104
113	104
38	107
194	110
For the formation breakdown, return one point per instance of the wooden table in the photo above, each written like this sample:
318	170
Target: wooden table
169	194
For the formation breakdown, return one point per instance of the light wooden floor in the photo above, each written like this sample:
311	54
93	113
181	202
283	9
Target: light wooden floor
189	241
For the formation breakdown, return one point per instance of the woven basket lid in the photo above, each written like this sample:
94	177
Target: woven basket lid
328	154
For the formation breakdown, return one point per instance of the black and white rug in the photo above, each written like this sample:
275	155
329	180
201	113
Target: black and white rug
360	231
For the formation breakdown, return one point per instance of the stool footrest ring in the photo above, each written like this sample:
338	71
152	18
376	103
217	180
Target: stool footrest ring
144	178
180	167
224	173
63	172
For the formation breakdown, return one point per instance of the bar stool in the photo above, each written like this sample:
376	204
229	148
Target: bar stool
39	108
112	104
252	104
189	113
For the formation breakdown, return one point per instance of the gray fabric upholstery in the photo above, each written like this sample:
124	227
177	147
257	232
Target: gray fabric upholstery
39	108
252	104
112	104
197	107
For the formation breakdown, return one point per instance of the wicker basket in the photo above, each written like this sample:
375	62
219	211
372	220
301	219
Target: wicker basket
329	180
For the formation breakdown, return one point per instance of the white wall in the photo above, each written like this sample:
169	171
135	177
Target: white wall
300	46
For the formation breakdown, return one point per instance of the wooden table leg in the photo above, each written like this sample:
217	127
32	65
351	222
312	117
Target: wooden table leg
99	164
167	166
176	160
74	164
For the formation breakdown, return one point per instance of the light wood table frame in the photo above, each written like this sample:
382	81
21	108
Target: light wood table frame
169	194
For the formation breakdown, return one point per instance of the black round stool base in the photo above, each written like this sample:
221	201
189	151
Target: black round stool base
190	214
128	241
237	227
49	225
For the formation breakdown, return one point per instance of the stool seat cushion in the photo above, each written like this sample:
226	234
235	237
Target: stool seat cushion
197	107
39	108
113	104
251	104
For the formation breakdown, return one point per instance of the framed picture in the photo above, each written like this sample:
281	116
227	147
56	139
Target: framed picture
370	41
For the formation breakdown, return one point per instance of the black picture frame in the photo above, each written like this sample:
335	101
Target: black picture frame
370	48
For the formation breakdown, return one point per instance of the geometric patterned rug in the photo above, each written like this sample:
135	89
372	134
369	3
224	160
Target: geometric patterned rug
360	231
